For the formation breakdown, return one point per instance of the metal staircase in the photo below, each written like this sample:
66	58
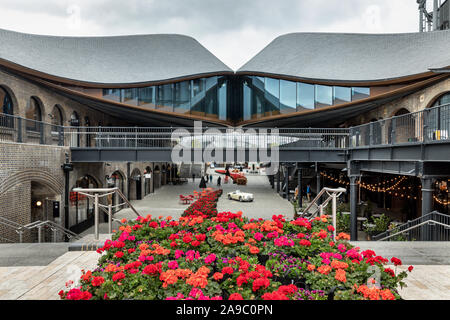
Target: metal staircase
314	208
433	226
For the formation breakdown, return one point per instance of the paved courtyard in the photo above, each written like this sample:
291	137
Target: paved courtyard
165	200
426	282
40	271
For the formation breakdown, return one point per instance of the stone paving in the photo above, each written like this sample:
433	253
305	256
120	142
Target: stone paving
44	282
426	282
40	271
165	200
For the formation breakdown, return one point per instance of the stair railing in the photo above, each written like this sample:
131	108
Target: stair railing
96	194
332	194
431	219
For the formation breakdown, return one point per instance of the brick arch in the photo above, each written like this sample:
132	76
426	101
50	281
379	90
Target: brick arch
393	114
436	98
29	175
13	98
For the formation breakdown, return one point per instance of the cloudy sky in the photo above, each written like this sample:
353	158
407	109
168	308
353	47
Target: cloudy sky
234	30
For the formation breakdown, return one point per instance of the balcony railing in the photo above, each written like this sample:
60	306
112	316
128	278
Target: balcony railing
428	126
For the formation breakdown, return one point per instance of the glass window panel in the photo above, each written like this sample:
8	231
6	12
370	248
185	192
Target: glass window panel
182	103
130	96
112	94
342	95
147	97
247	95
222	97
165	97
324	96
288	96
258	97
359	93
272	95
211	103
198	93
305	96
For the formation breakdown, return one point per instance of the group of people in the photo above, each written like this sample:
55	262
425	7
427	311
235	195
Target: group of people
308	192
204	180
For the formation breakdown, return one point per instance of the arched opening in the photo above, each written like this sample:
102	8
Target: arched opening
156	177
75	132
45	205
33	114
438	119
402	127
163	175
147	180
135	185
116	180
81	212
87	124
57	116
7	108
57	120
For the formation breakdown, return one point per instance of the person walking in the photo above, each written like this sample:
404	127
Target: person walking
219	180
202	184
193	177
210	178
308	192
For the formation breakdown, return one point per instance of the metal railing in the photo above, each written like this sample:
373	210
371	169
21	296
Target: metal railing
426	126
21	130
433	226
226	138
313	209
98	193
41	226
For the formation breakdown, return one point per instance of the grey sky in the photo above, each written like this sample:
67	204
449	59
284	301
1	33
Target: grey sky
233	30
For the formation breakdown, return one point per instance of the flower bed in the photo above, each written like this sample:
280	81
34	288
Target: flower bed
205	255
206	205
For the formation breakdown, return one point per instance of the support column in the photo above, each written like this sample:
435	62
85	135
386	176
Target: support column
353	209
278	179
299	186
427	205
286	181
319	186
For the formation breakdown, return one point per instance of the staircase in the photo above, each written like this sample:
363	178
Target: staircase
433	226
315	209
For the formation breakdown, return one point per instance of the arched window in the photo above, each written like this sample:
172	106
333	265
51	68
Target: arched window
6	101
56	115
74	119
34	114
438	119
6	108
443	100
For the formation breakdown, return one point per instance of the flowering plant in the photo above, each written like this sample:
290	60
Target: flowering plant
205	255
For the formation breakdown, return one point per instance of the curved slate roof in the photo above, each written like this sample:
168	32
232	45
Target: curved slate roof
352	57
110	60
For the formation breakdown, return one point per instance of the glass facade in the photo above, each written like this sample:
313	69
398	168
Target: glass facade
256	97
206	97
263	97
